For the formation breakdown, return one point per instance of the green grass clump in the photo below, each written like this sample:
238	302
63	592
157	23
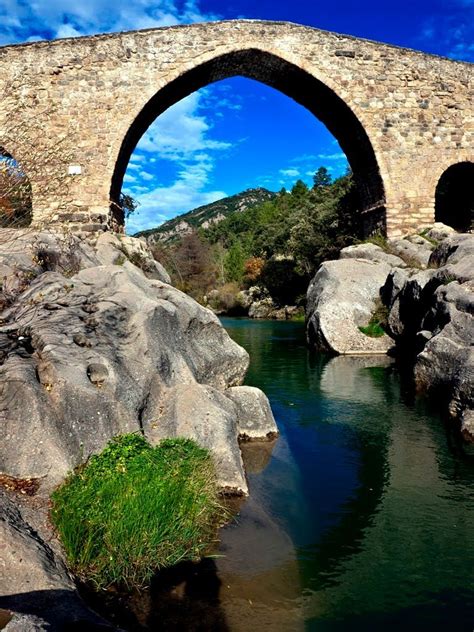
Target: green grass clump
378	322
374	330
134	508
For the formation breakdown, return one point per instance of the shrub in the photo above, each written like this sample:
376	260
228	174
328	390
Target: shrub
134	509
225	300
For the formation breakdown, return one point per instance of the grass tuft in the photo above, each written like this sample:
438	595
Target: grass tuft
377	324
134	509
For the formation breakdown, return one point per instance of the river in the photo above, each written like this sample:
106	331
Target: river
360	516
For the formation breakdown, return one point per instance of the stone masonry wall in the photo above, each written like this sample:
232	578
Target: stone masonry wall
416	109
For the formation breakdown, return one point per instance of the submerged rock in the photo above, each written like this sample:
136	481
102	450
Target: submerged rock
341	298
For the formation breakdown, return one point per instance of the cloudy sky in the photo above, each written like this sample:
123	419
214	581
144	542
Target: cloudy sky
222	140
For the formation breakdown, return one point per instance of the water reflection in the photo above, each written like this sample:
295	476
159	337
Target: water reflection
361	514
384	531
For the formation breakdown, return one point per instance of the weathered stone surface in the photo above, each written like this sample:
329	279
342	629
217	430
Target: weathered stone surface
262	309
25	254
446	362
408	302
254	416
371	252
205	414
100	353
341	297
121	249
414	253
401	113
34	583
440	231
455	258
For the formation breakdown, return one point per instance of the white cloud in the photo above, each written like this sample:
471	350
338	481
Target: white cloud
290	173
180	132
338	156
163	203
21	20
147	177
182	137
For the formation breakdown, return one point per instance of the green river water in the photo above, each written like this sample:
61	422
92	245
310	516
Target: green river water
360	515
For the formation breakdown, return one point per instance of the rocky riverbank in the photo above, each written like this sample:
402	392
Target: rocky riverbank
95	342
418	292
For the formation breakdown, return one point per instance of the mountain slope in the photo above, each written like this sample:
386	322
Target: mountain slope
204	216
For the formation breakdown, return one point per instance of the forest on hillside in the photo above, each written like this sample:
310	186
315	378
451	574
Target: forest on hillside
278	244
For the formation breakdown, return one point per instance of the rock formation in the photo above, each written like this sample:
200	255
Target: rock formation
426	285
94	342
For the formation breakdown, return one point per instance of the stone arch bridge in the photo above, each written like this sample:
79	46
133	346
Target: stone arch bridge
402	117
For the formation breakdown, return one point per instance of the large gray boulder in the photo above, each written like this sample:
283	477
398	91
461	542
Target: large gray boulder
371	252
446	363
100	353
454	258
342	297
35	586
415	251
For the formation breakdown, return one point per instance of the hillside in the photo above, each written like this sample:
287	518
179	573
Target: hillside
207	215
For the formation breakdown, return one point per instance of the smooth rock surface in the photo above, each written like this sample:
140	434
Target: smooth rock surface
372	252
95	354
341	298
34	583
254	415
414	253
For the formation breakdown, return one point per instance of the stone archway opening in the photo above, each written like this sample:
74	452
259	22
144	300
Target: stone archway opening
295	83
16	202
454	202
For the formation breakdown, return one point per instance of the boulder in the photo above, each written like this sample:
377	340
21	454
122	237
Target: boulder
121	249
35	586
262	309
342	297
439	231
409	304
254	415
416	252
372	252
87	357
454	258
446	363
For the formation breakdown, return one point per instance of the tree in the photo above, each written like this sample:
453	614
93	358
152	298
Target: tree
322	178
193	269
128	204
300	189
234	262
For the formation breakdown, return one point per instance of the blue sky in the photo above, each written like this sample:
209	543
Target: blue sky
237	134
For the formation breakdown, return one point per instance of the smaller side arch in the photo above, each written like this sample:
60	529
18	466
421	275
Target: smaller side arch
454	197
16	199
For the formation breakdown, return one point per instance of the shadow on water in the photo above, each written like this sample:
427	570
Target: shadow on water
184	598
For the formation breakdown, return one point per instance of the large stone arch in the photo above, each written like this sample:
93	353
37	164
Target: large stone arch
318	95
416	110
